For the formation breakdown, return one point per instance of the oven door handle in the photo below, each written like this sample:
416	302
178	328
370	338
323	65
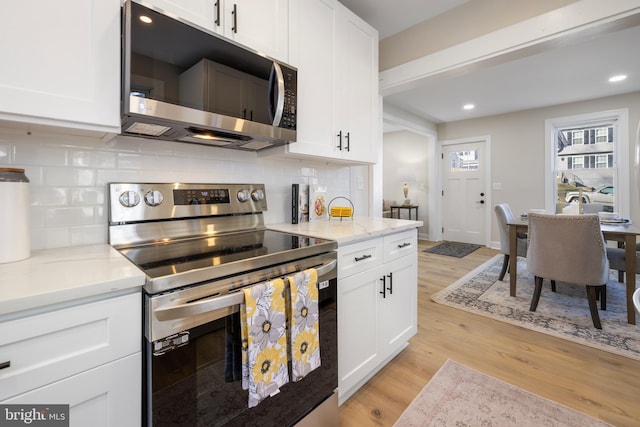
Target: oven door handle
216	302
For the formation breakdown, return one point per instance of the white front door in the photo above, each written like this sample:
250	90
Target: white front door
464	197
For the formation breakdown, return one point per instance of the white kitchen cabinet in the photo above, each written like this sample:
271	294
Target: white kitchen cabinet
336	54
108	395
261	25
62	71
87	356
377	305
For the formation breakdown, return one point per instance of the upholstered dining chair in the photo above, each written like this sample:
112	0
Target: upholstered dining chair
504	215
570	249
617	260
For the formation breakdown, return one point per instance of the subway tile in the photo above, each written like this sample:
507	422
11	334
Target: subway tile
88	235
69	176
48	196
82	196
57	217
43	155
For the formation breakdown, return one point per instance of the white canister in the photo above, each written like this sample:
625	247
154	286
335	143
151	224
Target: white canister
14	215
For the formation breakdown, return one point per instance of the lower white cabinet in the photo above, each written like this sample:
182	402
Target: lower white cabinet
108	395
377	305
87	356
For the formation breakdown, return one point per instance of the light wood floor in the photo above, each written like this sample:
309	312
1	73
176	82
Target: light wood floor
595	382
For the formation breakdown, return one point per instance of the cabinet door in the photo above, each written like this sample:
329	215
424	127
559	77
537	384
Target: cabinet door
398	306
261	25
357	329
61	63
357	84
47	347
200	12
312	50
109	395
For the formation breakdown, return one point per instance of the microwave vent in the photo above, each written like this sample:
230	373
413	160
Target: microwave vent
147	129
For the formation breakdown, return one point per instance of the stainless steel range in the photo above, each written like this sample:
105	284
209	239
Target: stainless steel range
199	246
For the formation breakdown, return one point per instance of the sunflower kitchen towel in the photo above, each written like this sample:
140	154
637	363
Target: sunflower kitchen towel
303	317
264	340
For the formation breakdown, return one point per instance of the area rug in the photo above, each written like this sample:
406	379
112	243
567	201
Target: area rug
460	396
455	249
563	314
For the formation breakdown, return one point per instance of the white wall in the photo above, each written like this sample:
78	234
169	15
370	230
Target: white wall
406	154
517	150
69	174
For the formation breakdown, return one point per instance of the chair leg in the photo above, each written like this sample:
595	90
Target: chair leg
505	264
553	286
593	307
620	276
603	297
536	294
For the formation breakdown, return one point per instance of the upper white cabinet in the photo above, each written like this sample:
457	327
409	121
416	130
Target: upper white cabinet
336	54
61	63
261	25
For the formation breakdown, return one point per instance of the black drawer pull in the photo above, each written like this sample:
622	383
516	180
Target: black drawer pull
404	245
363	257
5	364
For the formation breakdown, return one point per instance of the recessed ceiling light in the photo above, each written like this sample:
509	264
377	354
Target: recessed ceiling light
146	19
469	106
618	78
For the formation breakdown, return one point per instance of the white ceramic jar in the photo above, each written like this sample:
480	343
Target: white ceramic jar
14	215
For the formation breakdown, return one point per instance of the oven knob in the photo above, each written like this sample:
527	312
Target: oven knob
129	199
243	195
257	195
153	198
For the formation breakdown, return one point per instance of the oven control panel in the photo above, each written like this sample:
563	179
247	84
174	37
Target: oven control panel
154	201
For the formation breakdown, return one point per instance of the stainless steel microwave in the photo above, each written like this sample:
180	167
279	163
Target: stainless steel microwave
184	83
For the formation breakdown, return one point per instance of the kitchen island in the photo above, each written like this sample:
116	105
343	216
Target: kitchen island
377	291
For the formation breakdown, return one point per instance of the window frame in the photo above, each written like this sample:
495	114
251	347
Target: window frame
621	157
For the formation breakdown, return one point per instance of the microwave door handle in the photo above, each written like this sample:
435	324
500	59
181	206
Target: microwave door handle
276	80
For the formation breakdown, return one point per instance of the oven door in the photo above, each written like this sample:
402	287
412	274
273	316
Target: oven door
193	378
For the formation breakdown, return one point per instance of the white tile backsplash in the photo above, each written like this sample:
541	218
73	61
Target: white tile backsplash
68	176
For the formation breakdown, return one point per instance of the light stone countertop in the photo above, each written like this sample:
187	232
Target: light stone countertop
348	230
61	275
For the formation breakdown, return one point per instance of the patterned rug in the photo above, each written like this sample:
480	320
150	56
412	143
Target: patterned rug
455	249
459	396
564	314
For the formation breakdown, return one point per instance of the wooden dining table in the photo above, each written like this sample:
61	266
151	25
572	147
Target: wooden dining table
622	233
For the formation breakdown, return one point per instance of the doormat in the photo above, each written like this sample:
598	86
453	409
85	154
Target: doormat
455	249
460	396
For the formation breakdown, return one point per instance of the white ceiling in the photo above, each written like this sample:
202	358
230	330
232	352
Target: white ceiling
572	72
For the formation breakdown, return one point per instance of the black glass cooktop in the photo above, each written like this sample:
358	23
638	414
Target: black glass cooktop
244	250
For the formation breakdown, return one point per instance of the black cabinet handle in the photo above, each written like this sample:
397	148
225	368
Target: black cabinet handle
363	257
404	245
235	18
347	138
217	21
340	140
390	288
6	364
384	286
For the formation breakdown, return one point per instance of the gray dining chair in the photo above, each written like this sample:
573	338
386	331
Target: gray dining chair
617	260
504	215
572	250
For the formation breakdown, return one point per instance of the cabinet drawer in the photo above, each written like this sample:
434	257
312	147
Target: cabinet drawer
359	257
47	347
400	244
106	396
